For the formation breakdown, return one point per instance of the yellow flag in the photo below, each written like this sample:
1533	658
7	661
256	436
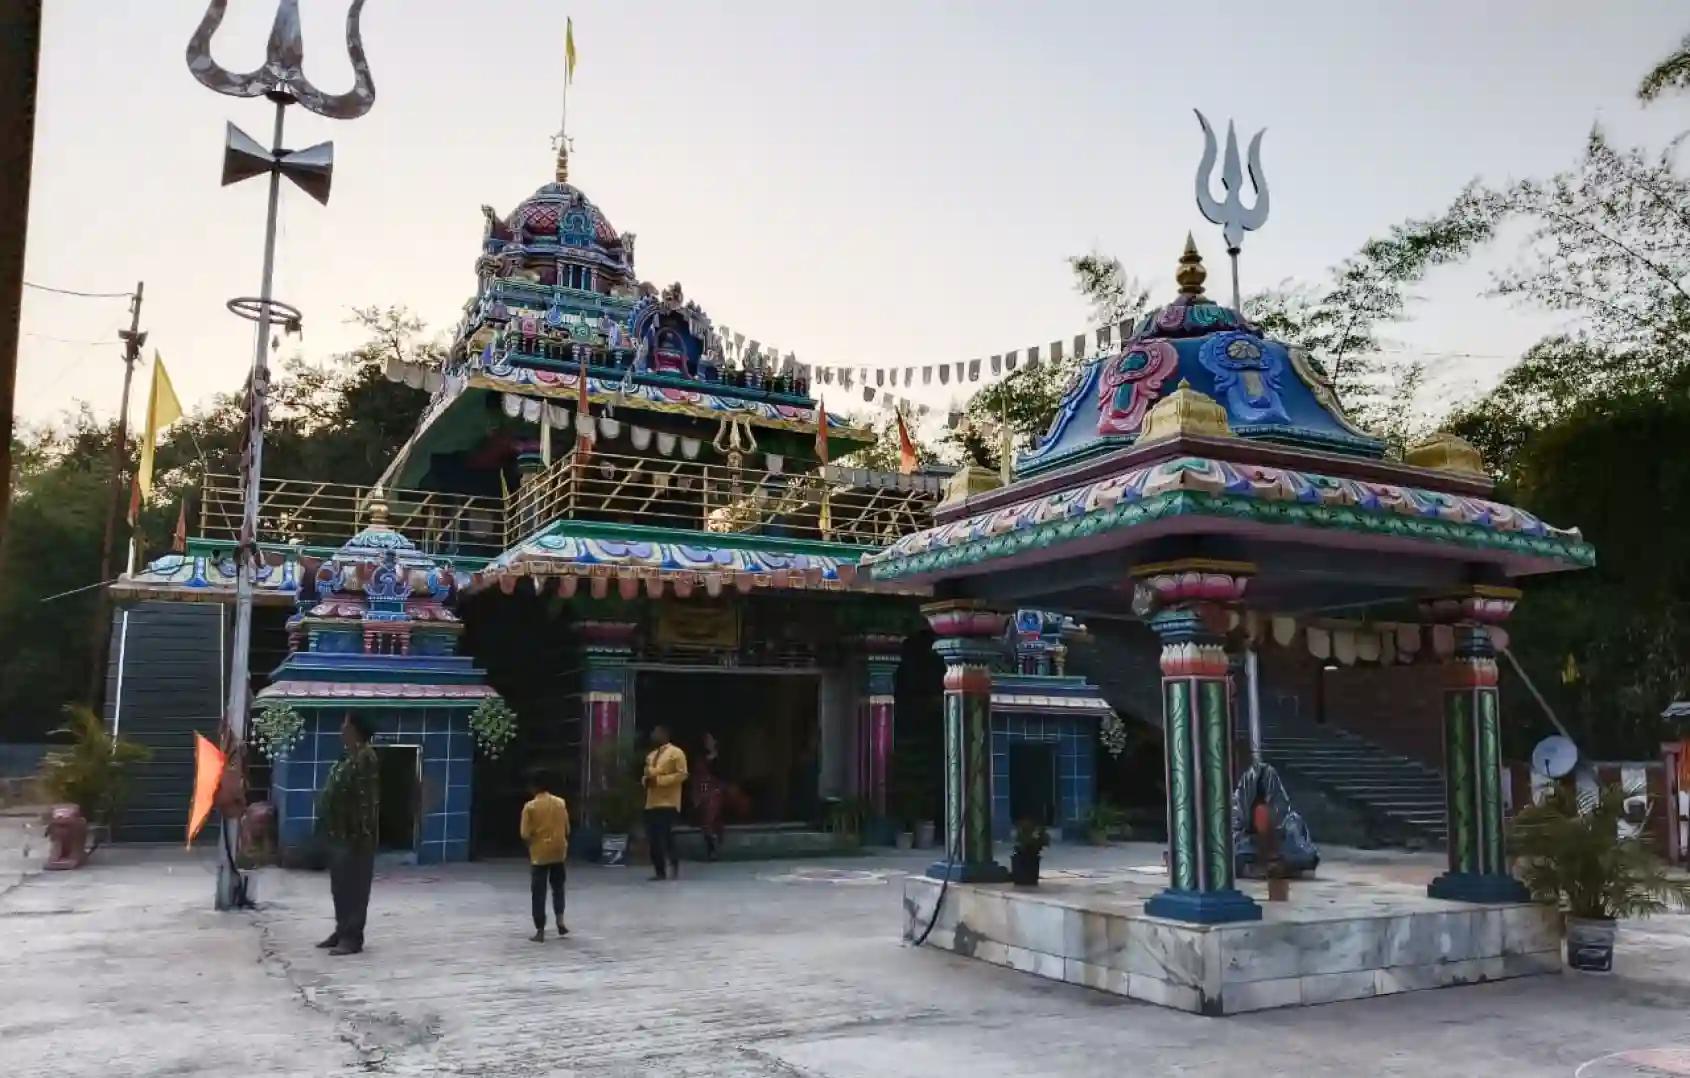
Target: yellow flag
568	50
163	409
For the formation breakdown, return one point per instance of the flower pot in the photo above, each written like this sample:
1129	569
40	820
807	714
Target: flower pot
906	839
1279	889
924	833
614	850
1024	868
1590	944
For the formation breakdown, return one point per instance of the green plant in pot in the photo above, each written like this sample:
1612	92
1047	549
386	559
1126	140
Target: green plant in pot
616	799
94	772
1031	838
1107	822
1577	858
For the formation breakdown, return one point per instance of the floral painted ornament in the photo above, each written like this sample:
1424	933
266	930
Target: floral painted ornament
1247	372
1130	384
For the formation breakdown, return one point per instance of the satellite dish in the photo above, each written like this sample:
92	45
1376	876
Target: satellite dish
1555	756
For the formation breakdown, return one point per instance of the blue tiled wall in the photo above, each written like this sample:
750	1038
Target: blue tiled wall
447	775
1076	779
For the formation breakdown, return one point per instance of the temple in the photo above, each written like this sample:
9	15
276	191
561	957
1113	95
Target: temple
602	524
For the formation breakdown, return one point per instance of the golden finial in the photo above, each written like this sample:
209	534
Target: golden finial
377	507
562	161
1191	273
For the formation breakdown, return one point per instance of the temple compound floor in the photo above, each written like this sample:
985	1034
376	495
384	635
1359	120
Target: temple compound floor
757	969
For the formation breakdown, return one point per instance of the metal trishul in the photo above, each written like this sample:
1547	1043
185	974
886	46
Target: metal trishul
312	169
1231	215
282	74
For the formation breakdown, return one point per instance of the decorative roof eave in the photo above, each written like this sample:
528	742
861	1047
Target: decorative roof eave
207	574
1188	494
656	559
1125	456
563	386
373	694
1040	703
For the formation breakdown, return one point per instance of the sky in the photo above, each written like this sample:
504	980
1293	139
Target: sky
866	183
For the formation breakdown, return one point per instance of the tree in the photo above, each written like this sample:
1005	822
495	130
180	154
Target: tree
340	420
1672	73
1115	297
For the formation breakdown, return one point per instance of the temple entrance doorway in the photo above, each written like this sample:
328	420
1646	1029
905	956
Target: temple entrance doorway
767	729
400	778
1032	782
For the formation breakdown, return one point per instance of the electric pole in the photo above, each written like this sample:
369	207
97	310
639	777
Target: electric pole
132	339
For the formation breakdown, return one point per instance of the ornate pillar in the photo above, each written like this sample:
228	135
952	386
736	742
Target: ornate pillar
1478	865
875	714
606	648
970	640
1187	602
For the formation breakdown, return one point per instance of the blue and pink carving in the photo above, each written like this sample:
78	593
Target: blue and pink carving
1131	382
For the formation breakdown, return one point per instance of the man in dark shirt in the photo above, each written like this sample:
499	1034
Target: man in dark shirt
347	816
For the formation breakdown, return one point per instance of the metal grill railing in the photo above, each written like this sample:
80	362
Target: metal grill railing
328	514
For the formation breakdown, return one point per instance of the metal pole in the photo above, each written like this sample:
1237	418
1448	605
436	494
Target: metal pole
1253	693
231	885
1237	301
119	452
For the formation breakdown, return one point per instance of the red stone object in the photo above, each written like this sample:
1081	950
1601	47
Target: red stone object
68	833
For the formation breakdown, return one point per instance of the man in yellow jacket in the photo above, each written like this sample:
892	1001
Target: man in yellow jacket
665	773
545	827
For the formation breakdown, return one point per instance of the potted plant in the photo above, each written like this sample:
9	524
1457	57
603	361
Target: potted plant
1106	822
615	802
1574	856
93	773
1030	840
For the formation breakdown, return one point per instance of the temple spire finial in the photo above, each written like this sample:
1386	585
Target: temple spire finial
562	172
376	507
1191	273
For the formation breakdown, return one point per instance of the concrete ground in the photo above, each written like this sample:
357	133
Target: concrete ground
749	969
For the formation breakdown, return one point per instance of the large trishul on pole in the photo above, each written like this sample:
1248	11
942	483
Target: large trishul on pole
1230	214
281	78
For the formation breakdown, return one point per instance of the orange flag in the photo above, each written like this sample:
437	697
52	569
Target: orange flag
208	772
179	540
906	447
583	420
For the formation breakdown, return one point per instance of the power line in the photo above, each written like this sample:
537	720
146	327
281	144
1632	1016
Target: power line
74	292
67	340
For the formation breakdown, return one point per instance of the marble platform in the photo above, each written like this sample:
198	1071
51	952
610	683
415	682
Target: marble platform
1346	935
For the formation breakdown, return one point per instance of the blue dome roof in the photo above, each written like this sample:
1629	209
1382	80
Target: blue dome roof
1271	391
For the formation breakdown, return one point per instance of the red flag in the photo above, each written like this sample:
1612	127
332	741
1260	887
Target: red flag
583	416
179	540
821	431
906	448
209	762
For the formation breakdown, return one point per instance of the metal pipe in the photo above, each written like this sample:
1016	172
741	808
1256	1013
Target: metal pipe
1252	684
231	886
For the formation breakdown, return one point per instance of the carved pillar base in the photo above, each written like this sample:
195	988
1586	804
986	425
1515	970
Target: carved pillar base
970	641
875	717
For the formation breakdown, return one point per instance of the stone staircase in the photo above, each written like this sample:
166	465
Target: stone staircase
1391	798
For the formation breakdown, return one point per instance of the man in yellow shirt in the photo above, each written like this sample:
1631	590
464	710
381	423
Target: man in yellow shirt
665	772
545	827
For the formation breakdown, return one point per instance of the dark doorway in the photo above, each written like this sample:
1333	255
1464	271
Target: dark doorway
1032	782
400	785
767	735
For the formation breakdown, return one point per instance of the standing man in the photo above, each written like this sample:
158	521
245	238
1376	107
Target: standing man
665	772
347	814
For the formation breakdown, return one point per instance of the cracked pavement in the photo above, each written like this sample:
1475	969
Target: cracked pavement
760	970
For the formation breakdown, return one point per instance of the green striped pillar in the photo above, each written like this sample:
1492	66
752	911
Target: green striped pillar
1478	862
970	640
1189	600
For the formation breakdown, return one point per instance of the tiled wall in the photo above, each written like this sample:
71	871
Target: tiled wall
1073	739
447	775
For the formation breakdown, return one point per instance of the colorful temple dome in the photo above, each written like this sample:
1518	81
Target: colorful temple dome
1268	390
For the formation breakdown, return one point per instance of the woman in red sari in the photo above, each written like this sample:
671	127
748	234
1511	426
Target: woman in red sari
707	791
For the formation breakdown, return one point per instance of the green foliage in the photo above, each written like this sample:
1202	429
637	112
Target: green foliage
1026	400
1113	733
95	771
1672	73
1030	836
276	730
1579	862
1108	820
341	420
617	797
1115	297
493	724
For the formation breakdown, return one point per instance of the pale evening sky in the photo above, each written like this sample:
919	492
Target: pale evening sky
880	183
